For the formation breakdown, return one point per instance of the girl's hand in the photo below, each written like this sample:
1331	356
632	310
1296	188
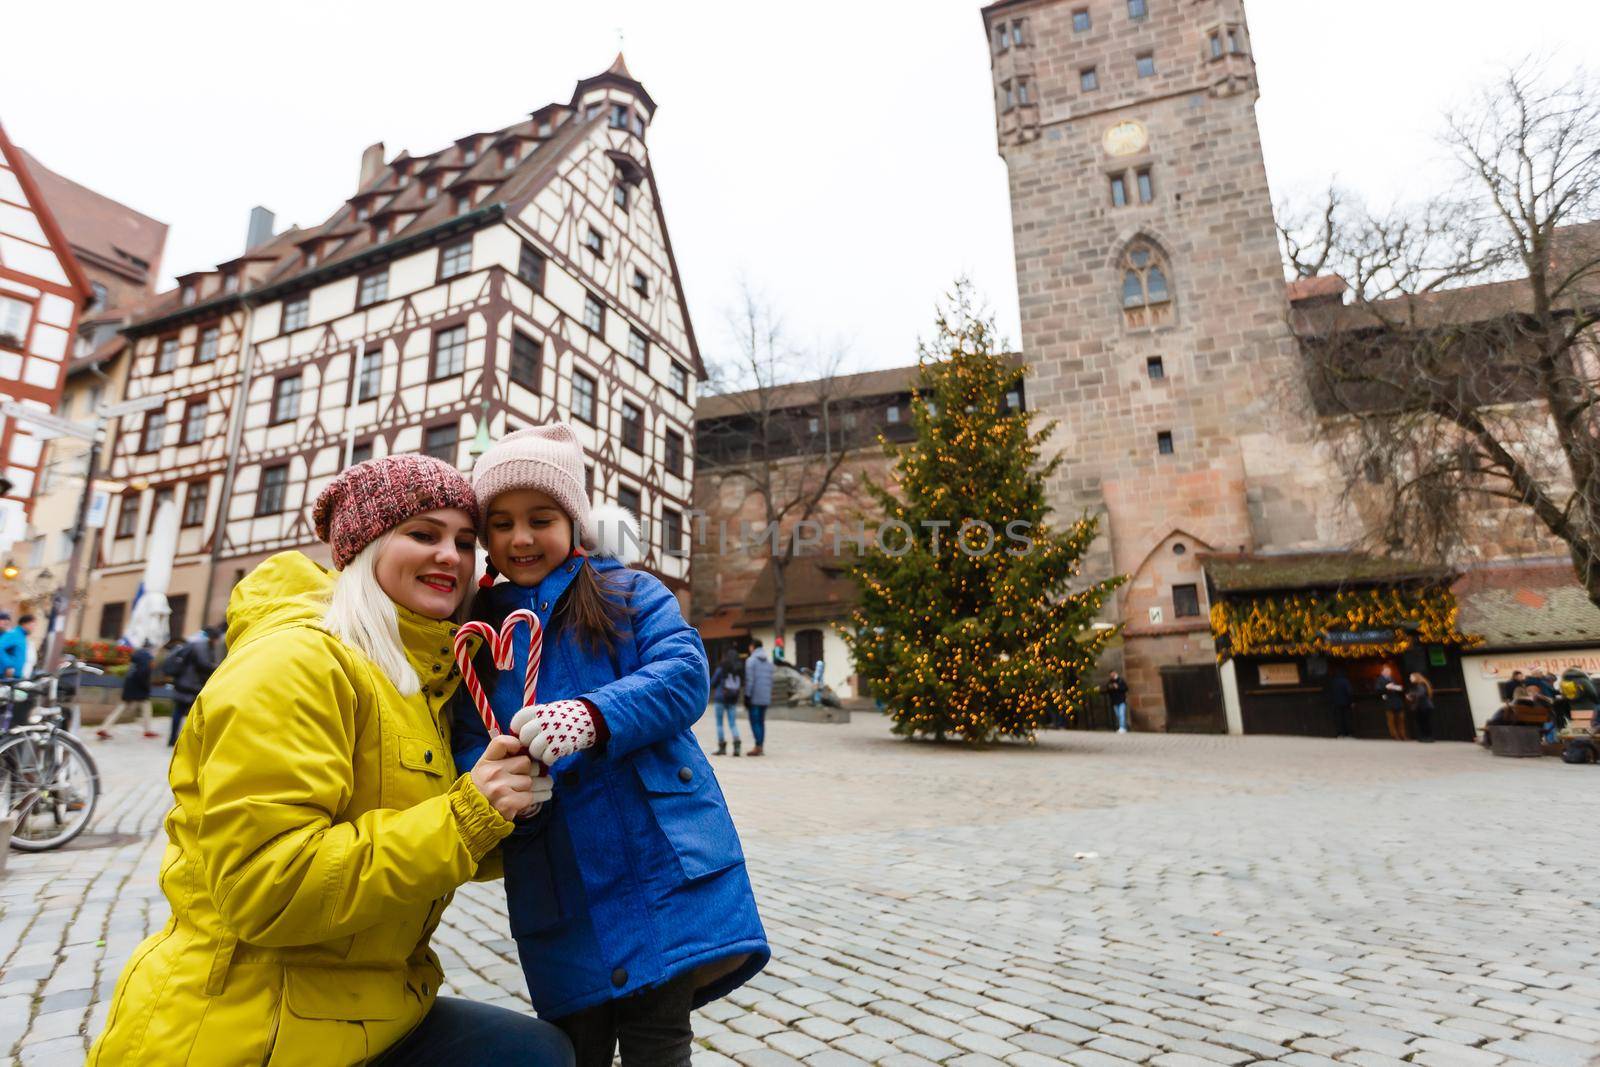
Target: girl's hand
553	731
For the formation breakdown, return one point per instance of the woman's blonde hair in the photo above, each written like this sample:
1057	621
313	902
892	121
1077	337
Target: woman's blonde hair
361	615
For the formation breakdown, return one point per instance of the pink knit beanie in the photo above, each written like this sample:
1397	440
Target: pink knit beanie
370	499
548	458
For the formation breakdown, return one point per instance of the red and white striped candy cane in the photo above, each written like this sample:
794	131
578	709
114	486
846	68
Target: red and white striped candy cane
503	652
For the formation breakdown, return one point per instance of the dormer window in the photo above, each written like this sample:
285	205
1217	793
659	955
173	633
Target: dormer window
188	295
230	283
430	190
508	160
469	154
595	243
384	229
363	212
463	201
311	258
545	128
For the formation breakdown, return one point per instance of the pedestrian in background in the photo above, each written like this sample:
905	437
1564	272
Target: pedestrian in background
816	684
1343	699
14	657
1394	703
135	694
1116	690
727	682
757	695
1419	700
189	667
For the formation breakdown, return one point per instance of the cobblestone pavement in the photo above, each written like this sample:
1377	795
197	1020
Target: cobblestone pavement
1094	900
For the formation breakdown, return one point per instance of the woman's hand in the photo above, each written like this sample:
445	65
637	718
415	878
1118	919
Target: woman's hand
552	731
504	775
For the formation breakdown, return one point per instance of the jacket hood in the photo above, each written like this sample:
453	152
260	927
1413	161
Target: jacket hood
760	653
286	588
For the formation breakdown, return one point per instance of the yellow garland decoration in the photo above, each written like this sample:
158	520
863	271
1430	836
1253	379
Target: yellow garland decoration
1293	624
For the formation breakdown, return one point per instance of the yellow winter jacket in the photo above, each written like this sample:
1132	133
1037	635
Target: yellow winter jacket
317	835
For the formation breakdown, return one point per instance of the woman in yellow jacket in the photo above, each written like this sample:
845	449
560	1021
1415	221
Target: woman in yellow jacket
316	835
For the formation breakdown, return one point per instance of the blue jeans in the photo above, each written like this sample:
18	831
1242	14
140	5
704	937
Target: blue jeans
464	1033
758	722
731	713
1121	712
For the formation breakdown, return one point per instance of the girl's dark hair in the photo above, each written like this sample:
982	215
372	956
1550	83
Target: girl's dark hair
593	604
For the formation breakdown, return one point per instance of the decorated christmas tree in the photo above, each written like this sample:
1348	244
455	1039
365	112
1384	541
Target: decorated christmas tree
969	623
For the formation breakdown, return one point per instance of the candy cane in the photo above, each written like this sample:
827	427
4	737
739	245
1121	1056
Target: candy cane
503	652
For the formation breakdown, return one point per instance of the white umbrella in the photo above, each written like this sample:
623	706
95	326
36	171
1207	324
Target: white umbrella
151	612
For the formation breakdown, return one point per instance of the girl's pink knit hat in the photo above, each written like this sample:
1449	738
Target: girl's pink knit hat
370	499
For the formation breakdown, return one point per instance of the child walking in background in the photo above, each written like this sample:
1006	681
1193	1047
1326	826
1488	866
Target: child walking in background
627	891
727	682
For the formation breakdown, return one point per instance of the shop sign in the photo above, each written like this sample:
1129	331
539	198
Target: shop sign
1358	637
1501	667
1279	673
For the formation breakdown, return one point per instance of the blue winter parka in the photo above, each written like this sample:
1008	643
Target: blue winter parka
632	874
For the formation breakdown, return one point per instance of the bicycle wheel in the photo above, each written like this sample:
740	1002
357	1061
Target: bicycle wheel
49	783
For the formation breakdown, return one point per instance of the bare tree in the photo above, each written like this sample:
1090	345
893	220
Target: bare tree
1458	381
776	420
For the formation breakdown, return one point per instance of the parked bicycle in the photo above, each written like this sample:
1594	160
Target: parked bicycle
48	781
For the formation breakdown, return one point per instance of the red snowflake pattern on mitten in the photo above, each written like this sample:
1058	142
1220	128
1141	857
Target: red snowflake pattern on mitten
555	730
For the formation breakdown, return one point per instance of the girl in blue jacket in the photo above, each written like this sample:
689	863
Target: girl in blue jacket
627	892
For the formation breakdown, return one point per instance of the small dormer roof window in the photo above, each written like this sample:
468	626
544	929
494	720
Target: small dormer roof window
188	296
469	152
430	190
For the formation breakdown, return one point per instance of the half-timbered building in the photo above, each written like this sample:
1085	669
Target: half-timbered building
514	277
42	291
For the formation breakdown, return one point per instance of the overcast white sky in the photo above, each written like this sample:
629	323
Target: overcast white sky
840	156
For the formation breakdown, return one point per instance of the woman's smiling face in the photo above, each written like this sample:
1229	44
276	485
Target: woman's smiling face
529	535
427	563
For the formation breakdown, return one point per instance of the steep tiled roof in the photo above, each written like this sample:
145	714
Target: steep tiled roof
799	394
1527	604
1311	570
100	227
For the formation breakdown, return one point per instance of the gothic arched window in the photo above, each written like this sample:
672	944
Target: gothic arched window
1146	294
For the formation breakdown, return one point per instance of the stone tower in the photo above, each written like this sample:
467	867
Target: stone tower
1153	302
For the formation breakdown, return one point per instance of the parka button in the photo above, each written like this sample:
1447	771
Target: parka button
437	668
427	757
571	567
685	774
619	977
544	605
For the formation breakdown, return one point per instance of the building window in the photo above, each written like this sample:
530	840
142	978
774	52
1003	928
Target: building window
363	211
469	153
594	314
619	195
641	283
14	316
1024	94
1016	33
311	258
678	379
1137	9
230	283
628	499
456	260
1119	191
1002	37
525	361
440	442
177	621
1147	190
111	619
1235	41
167	357
672	532
1010	97
893	414
1080	20
194	502
430	190
1146	298
98	301
632	426
295	313
508	160
674	441
269	498
638	347
188	296
1215	40
369	376
361	453
583	390
619	116
374	288
155	427
1164	443
595	243
194	421
1088	81
208	345
1013	402
530	267
449	352
1145	64
128	515
1155	368
286	399
1185	601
